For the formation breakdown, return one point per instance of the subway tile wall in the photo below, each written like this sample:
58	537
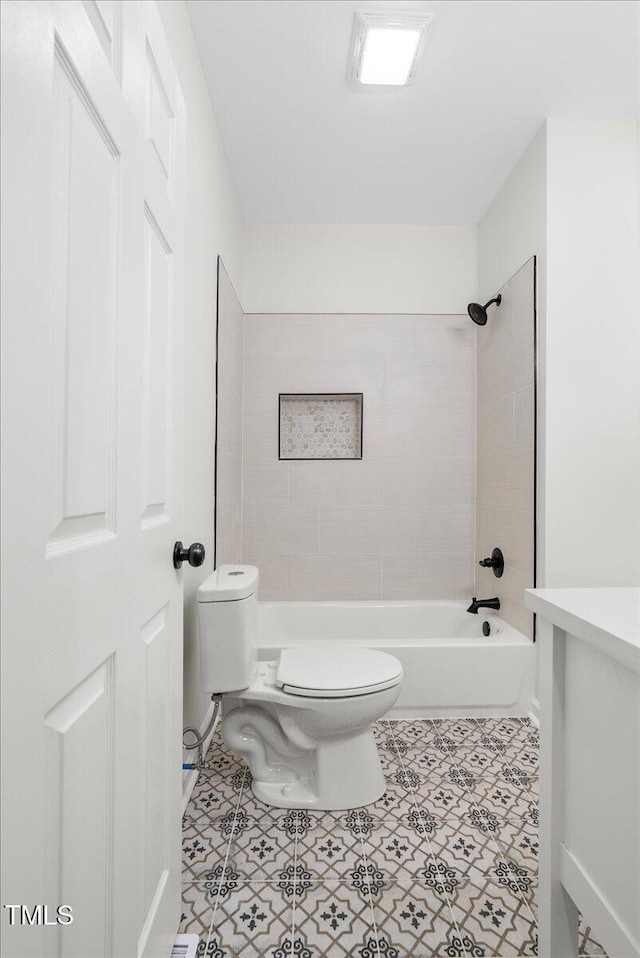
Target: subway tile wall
505	447
229	438
398	524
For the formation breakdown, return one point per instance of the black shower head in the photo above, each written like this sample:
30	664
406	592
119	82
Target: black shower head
478	313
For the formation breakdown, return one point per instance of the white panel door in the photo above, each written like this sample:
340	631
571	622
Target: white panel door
93	135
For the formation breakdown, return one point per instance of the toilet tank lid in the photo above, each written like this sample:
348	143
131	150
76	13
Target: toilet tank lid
228	583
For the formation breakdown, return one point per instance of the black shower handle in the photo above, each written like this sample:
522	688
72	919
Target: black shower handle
495	561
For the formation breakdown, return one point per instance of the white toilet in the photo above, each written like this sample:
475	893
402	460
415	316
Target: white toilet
302	722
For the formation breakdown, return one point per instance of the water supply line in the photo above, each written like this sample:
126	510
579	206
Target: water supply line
201	737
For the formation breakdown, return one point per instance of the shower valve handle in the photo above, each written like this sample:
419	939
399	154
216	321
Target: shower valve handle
194	555
495	561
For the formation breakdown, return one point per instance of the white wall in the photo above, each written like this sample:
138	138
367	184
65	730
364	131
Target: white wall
514	229
592	481
573	201
213	226
515	225
358	269
229	422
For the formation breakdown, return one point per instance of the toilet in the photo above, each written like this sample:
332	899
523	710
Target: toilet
302	722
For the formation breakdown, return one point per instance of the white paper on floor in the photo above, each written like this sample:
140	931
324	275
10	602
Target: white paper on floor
185	946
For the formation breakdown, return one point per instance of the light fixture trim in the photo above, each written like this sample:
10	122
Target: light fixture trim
367	22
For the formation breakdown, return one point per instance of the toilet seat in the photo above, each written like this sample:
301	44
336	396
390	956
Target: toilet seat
336	672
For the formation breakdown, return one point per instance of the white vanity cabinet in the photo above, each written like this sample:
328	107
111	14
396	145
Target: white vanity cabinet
589	768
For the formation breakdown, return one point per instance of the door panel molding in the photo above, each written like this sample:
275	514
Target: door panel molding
80	764
86	241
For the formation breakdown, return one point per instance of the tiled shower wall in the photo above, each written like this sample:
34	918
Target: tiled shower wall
229	436
505	465
397	524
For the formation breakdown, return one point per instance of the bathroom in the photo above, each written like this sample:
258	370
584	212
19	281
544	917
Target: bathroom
321	458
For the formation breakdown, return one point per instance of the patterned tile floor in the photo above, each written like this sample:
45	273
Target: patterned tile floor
444	864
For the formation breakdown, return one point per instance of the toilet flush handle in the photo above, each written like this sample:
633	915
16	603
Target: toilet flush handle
194	555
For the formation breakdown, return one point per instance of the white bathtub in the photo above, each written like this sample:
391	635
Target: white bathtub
450	667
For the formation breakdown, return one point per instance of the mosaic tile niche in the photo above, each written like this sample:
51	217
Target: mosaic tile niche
320	426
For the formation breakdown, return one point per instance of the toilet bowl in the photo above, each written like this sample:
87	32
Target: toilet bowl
302	722
306	749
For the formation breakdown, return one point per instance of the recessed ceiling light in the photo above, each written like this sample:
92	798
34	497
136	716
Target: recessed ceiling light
386	47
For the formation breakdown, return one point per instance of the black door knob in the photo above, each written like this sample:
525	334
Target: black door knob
194	555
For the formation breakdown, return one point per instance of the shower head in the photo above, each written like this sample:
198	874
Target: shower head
478	313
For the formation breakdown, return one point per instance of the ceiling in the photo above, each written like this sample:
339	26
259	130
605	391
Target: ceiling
304	146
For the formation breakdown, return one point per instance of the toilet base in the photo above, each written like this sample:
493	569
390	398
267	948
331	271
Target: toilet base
330	773
342	773
307	752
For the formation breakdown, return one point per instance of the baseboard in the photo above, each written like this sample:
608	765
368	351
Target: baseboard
534	714
190	776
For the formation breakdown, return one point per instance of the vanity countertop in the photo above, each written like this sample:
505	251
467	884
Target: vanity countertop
608	619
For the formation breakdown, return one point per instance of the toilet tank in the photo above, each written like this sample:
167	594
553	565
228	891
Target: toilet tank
227	620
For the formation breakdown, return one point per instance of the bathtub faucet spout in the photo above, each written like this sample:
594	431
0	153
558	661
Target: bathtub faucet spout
483	604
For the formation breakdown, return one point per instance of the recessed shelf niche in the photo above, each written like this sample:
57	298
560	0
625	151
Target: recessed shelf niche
320	426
